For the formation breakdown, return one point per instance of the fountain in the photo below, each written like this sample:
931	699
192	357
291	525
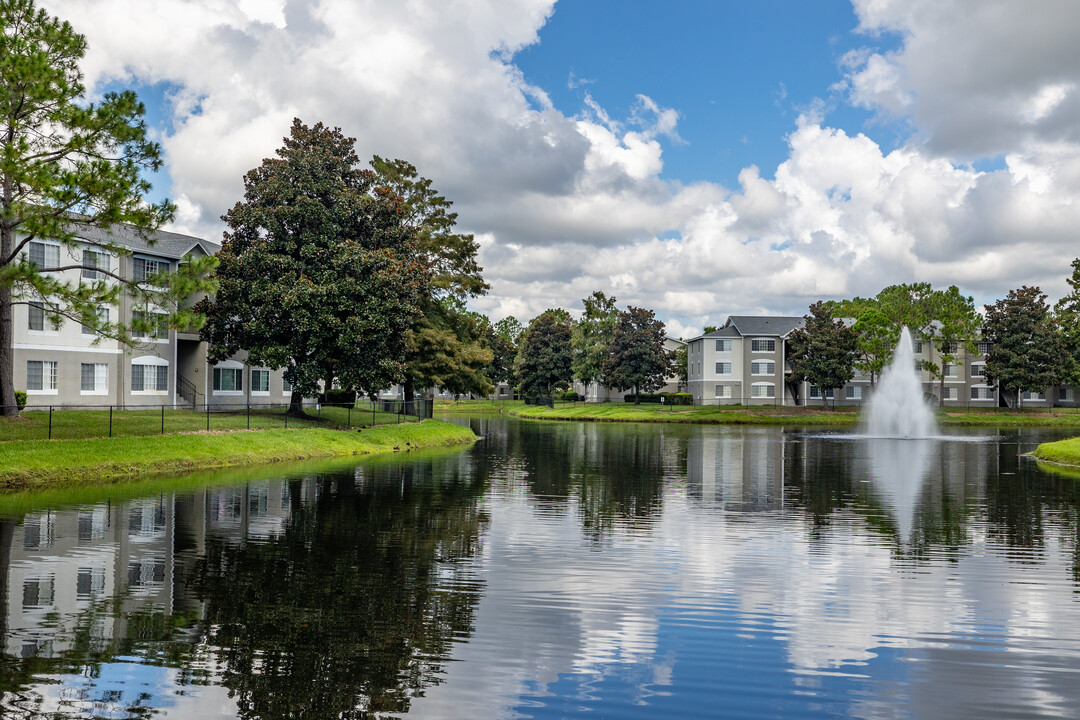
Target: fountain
897	408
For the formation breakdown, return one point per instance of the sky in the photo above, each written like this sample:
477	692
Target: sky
707	159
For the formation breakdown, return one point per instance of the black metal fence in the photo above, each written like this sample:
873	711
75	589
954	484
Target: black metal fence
84	421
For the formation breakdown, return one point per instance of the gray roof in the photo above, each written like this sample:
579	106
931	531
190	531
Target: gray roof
724	332
161	242
765	324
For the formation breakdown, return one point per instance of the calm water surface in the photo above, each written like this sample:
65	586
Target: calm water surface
557	570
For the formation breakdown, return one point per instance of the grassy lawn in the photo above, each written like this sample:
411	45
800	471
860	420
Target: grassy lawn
78	424
1062	457
740	415
69	463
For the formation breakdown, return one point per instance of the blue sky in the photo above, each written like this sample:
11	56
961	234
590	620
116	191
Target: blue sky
699	158
738	73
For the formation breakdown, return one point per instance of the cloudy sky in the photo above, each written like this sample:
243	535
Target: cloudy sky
724	158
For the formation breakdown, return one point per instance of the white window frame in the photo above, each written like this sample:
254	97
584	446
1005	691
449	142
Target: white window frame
757	390
49	380
983	393
724	367
815	393
103	317
266	375
768	345
950	393
158	265
101	379
47	326
45	266
160	365
232	366
723	345
162	321
756	365
1034	396
984	347
722	392
99	260
286	386
951	370
978	370
853	392
1063	394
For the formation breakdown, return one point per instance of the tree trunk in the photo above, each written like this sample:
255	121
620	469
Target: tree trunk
8	406
941	387
637	396
410	391
296	405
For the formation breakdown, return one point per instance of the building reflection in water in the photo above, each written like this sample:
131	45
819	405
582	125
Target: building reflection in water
737	471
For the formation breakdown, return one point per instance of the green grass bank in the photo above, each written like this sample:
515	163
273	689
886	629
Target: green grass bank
1060	456
39	464
740	415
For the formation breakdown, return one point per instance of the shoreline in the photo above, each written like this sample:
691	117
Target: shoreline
48	464
739	415
1062	456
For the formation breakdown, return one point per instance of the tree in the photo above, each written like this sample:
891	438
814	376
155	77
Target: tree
436	355
1027	352
544	362
955	328
67	166
504	337
909	305
449	348
682	364
877	341
592	337
1067	320
638	357
823	351
318	273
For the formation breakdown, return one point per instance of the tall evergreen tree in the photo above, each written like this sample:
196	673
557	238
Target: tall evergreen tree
1027	353
437	355
67	165
823	351
504	338
954	329
638	359
318	273
1067	320
877	341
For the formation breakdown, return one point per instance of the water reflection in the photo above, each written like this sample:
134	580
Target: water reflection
307	596
557	569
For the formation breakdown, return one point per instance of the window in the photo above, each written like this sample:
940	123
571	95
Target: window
94	378
853	392
723	391
723	368
502	390
1063	394
917	347
260	381
158	325
41	376
985	348
951	393
978	370
949	348
763	367
228	379
37	316
952	371
815	393
147	377
45	255
762	345
103	319
145	268
982	393
286	387
91	261
762	390
1034	395
723	346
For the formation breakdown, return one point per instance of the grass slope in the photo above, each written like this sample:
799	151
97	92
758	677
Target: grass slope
80	462
1063	454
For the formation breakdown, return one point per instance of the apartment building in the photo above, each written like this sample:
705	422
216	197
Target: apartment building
67	364
743	362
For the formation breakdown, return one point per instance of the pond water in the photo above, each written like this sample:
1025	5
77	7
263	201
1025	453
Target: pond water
555	570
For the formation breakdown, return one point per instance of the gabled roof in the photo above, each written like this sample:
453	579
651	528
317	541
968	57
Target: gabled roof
768	325
164	244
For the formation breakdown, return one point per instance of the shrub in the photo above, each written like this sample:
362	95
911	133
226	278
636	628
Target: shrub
645	397
570	396
678	398
20	399
338	398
